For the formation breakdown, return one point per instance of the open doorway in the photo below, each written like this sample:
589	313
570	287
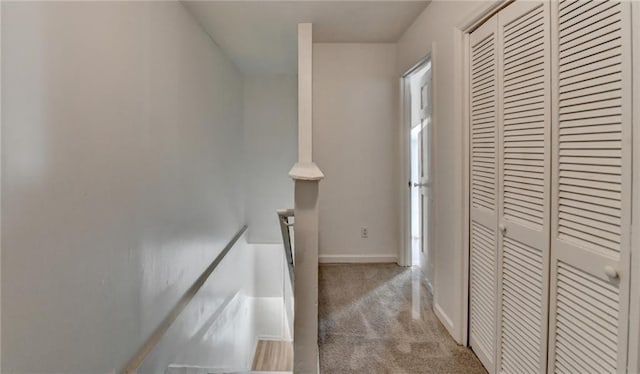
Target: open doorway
418	104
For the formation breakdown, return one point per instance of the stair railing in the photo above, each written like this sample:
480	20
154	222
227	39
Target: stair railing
286	219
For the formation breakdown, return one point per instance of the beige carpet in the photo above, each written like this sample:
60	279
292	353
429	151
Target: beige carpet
379	319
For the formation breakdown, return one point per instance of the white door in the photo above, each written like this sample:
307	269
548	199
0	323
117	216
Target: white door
419	110
483	178
424	183
590	247
524	186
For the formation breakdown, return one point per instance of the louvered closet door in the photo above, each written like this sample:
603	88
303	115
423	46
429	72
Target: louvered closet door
524	188
591	188
483	235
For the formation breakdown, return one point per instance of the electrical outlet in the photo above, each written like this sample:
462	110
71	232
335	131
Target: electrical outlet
364	232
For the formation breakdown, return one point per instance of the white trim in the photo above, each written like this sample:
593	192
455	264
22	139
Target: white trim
308	171
633	357
272	338
433	152
182	368
305	93
417	65
0	188
404	255
461	41
358	259
481	14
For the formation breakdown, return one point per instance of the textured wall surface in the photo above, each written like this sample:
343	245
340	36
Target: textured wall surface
121	147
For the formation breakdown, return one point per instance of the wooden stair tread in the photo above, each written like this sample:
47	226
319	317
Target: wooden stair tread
272	355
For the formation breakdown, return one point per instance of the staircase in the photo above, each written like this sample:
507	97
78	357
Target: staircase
273	355
270	356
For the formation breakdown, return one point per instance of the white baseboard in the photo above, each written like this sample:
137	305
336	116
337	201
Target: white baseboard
357	259
271	338
429	286
444	318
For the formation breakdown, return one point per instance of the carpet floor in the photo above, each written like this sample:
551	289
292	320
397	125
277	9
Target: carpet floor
380	319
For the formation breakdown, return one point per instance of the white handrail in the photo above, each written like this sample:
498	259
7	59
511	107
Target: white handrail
285	223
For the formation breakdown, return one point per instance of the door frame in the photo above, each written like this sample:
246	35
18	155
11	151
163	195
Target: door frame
405	258
633	355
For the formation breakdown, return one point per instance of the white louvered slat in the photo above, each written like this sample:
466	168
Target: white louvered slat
590	340
483	181
522	287
589	99
591	187
520	36
483	273
483	124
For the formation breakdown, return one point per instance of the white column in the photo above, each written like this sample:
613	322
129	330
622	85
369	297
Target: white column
307	176
305	326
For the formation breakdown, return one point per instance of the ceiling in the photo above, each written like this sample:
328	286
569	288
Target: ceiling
260	36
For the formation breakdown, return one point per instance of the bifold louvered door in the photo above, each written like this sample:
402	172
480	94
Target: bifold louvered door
524	190
551	107
484	184
591	75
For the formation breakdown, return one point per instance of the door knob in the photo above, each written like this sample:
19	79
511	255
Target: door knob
611	272
502	228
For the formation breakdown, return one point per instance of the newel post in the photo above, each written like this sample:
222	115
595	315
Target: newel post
307	177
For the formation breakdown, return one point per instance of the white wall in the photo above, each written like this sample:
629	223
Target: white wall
355	144
272	291
121	140
436	25
270	136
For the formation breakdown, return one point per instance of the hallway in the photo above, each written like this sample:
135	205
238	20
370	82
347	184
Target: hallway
379	319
